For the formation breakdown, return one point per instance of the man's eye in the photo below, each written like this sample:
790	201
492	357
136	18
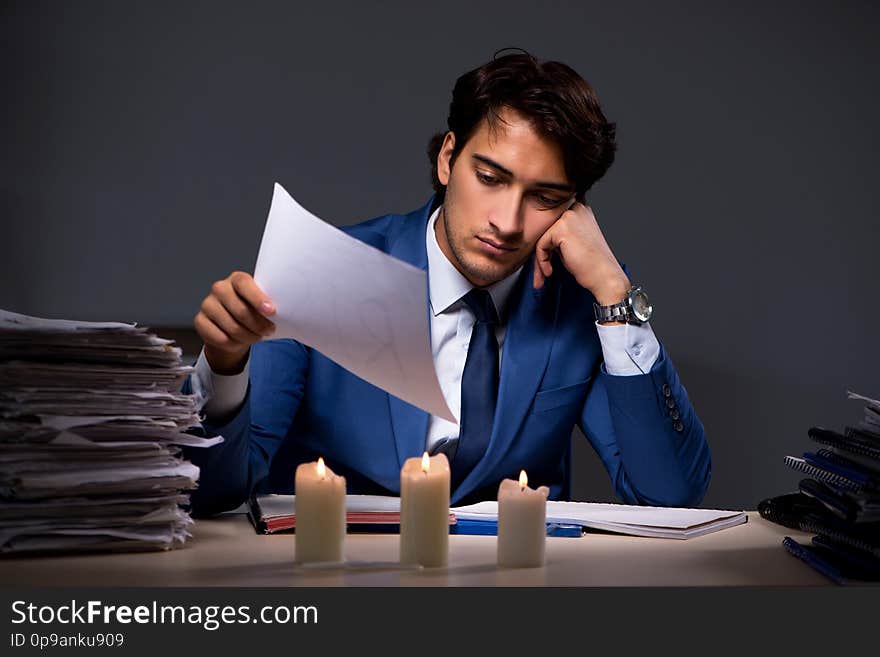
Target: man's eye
547	201
486	179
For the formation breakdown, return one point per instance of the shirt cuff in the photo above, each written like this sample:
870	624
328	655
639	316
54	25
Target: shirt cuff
218	395
628	349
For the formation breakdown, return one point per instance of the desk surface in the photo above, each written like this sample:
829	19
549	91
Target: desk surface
227	552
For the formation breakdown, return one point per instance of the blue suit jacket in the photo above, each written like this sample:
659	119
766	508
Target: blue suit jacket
300	405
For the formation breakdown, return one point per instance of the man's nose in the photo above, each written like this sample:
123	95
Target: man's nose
506	216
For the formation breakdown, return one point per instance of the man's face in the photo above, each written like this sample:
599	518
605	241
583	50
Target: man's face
507	187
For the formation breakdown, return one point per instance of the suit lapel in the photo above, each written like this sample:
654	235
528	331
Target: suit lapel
525	355
410	424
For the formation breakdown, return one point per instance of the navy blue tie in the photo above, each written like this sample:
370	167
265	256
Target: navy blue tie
479	387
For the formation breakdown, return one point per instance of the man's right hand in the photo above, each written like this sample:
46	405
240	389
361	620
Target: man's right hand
232	318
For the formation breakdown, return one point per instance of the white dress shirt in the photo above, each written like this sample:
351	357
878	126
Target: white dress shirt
628	350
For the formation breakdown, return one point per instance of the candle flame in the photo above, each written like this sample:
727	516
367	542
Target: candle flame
523	478
321	469
426	463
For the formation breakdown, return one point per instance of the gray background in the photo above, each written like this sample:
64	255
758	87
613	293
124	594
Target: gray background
140	143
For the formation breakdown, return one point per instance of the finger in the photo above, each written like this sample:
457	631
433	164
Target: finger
244	313
247	289
588	211
237	332
544	252
212	334
542	270
240	309
581	209
537	276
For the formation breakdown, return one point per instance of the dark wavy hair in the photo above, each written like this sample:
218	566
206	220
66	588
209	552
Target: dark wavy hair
561	105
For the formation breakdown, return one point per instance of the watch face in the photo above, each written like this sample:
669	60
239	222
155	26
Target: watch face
641	306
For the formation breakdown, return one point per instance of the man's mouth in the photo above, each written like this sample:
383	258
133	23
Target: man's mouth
495	247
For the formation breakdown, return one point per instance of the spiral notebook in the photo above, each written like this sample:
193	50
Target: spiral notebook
834	499
864	537
822	468
853	442
865	468
838	566
862	560
804	513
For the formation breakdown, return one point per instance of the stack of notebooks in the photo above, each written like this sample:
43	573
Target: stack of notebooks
91	423
838	500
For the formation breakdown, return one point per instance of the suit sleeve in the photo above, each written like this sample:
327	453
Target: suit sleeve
230	471
649	437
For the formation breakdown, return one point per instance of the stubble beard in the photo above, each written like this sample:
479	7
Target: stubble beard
476	273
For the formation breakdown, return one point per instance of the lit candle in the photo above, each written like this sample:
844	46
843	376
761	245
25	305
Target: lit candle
320	513
424	510
522	523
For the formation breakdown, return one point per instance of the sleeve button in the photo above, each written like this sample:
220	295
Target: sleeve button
678	426
667	392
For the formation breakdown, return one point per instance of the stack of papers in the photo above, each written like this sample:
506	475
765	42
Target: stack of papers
650	521
91	423
871	421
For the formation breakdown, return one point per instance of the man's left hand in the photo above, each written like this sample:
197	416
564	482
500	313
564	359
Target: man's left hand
584	252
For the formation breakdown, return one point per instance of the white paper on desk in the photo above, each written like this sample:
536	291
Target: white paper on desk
651	521
14	321
65	422
84	476
362	308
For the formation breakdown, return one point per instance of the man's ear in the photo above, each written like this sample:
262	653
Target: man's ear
444	158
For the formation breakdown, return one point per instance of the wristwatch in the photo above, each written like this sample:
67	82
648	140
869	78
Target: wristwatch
634	309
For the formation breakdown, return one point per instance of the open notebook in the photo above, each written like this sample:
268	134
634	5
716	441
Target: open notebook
651	521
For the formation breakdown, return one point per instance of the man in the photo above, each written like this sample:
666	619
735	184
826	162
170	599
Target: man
535	327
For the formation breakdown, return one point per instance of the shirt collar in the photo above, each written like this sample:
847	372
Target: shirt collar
447	285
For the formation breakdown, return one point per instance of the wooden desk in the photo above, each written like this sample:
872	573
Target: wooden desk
227	552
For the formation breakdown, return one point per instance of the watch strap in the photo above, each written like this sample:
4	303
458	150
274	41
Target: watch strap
618	312
622	311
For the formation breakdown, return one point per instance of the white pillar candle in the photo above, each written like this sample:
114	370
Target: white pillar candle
522	523
424	511
320	513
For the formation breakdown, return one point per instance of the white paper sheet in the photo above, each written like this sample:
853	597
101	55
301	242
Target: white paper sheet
65	422
107	475
872	403
16	322
651	521
362	308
